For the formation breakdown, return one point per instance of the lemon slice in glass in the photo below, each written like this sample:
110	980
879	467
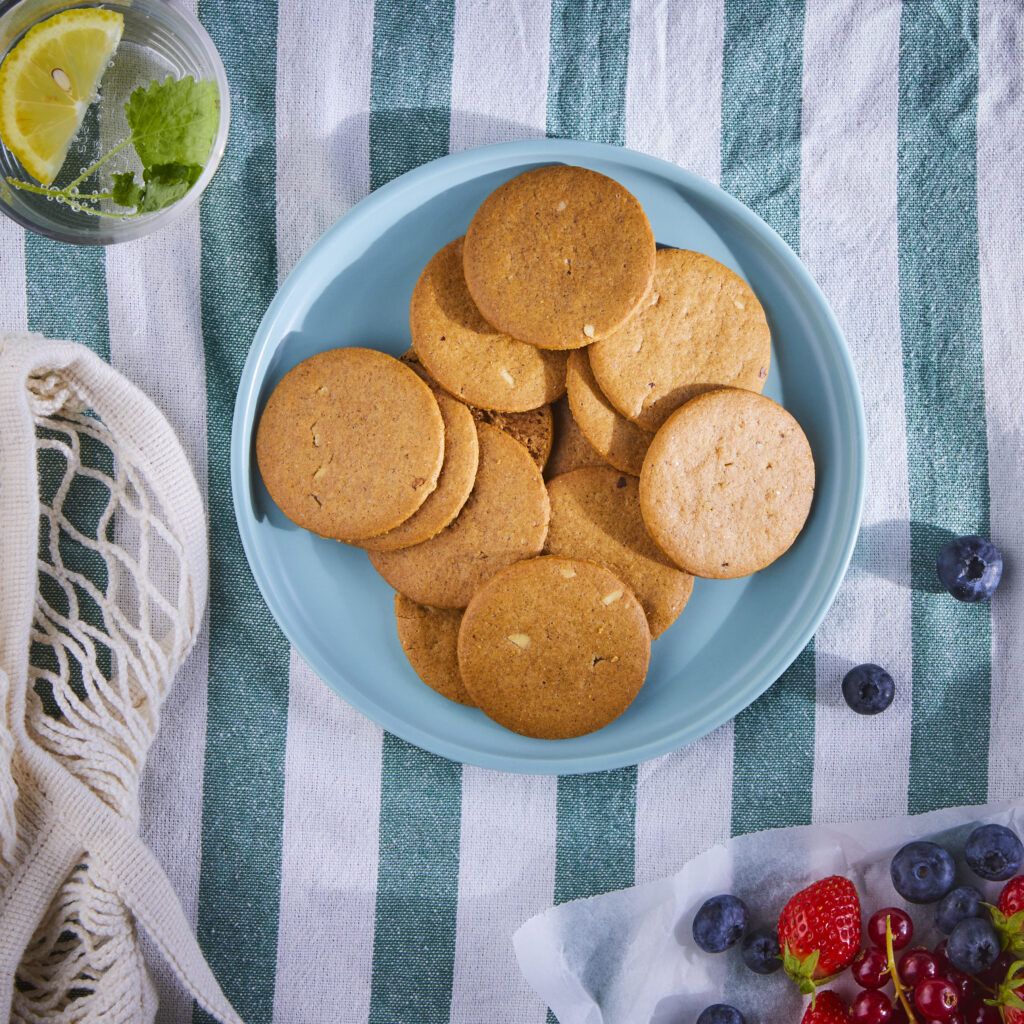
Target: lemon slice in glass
48	81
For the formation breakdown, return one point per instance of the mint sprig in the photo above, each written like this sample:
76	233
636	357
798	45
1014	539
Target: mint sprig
172	128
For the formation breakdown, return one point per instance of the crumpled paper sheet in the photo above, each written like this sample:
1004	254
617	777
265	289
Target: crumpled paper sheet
628	957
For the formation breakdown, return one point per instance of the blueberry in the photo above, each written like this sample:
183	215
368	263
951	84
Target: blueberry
721	1013
868	689
760	951
994	852
922	872
719	923
964	901
973	945
970	568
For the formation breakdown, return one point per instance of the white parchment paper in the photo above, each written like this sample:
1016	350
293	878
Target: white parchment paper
628	957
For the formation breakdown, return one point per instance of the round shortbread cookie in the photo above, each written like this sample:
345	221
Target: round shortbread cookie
455	482
534	429
466	355
335	455
595	515
559	256
569	449
554	647
727	484
429	637
504	520
617	440
702	328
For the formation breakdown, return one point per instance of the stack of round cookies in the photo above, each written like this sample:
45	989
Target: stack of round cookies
576	433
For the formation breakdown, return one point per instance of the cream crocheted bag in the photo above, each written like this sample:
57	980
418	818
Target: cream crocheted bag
103	582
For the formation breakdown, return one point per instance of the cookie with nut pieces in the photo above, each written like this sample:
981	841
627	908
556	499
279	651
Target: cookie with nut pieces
554	647
595	515
727	484
466	355
504	520
701	328
559	256
332	453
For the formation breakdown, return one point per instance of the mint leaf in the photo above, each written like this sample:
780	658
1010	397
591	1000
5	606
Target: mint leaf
166	184
173	122
125	192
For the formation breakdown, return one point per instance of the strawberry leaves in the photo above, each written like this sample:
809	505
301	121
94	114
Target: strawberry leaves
802	969
1009	928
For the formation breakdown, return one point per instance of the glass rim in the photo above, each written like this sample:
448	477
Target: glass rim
129	229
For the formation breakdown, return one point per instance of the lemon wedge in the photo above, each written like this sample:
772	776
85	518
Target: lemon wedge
48	81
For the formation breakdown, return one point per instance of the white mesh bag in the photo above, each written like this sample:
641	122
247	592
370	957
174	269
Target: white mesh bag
103	583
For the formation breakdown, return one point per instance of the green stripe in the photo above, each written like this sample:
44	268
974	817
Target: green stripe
243	784
410	85
940	316
762	79
421	794
66	290
595	838
587	72
417	886
596	833
773	753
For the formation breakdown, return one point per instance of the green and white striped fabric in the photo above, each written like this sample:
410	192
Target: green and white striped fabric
338	874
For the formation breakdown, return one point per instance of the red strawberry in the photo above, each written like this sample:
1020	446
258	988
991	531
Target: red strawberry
1008	916
819	931
1011	899
826	1009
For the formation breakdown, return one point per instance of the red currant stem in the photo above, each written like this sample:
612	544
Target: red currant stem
894	973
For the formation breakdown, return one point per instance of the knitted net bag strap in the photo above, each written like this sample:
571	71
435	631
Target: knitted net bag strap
103	583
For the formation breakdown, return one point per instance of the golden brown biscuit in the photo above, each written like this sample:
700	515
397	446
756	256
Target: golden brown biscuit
429	637
617	440
534	429
702	328
466	355
569	449
554	647
336	456
727	484
559	256
595	515
461	455
504	520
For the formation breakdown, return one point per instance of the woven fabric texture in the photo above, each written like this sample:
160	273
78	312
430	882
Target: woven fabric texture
335	873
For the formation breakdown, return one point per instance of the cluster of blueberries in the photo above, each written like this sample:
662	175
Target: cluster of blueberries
970	569
922	872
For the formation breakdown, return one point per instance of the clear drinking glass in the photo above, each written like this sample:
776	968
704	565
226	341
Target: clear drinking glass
159	41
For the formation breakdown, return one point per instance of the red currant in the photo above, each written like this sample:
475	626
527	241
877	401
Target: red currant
871	1007
964	984
899	921
982	1013
869	967
936	997
917	965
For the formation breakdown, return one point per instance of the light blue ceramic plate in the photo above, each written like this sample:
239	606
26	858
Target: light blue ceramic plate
733	640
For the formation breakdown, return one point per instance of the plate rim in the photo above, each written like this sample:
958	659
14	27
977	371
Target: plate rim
501	154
